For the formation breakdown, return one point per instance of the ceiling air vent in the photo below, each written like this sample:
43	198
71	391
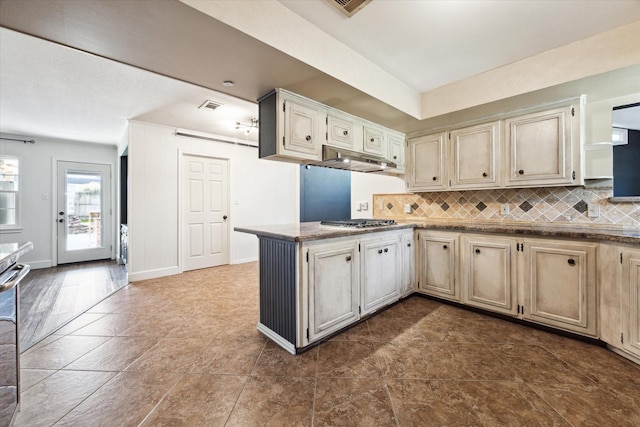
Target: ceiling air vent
211	105
349	7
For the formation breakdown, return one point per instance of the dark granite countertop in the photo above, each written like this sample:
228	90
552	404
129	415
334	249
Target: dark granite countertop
307	231
11	252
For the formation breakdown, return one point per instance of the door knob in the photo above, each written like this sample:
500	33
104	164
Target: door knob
224	217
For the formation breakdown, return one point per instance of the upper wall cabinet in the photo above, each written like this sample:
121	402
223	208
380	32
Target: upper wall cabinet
475	153
539	149
294	129
543	148
291	127
344	131
426	163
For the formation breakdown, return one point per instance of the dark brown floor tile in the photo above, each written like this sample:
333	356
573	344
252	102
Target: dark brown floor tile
235	357
467	403
49	400
198	400
537	365
416	360
30	377
79	322
114	355
274	401
392	328
593	405
359	332
124	401
276	361
352	402
477	362
170	355
353	359
60	353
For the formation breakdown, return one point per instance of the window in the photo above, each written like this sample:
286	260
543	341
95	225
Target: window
9	192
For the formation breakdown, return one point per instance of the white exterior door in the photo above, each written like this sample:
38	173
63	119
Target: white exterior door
205	208
84	212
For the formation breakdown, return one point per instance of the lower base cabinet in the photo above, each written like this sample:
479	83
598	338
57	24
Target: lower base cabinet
438	269
631	301
380	271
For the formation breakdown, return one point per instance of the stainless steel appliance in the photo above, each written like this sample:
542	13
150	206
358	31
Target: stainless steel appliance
339	158
9	348
359	223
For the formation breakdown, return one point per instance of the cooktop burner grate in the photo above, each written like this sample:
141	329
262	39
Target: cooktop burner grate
359	223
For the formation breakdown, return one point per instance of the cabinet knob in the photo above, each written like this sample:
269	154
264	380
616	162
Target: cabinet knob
408	245
571	261
372	140
521	171
445	247
348	258
379	251
435	178
345	133
484	174
308	138
395	157
386	250
477	251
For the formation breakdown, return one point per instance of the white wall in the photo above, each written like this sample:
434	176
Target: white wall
365	185
38	190
261	192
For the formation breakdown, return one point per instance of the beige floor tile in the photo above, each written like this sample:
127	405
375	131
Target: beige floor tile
198	400
234	357
593	405
114	355
352	402
170	355
30	377
110	325
348	359
124	401
275	361
274	401
469	403
60	353
49	400
79	322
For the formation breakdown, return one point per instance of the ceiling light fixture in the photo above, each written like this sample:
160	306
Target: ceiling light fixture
227	83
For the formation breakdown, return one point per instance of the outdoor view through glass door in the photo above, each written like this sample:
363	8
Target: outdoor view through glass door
84	212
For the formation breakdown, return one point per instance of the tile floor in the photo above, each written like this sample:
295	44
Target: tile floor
184	350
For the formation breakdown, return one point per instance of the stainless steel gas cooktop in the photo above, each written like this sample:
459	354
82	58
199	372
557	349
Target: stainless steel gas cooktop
359	223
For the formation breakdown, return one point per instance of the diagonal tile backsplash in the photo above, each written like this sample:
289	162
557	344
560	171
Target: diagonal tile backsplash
550	204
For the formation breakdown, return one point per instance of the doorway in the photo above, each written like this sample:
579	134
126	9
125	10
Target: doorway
205	231
84	212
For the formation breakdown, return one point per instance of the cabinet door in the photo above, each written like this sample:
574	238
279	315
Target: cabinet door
333	287
303	130
489	273
408	264
344	132
438	271
631	301
380	272
474	151
559	285
426	167
374	141
396	150
539	148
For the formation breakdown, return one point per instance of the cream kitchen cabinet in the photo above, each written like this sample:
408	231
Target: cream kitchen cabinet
631	301
292	128
541	150
408	264
489	273
344	131
426	168
438	273
560	284
475	154
374	141
380	271
396	145
333	286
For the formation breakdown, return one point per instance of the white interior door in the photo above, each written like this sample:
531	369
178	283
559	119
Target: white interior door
84	212
204	212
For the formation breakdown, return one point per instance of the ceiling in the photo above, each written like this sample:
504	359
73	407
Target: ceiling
79	70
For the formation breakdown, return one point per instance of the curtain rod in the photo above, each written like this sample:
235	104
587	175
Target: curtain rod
19	140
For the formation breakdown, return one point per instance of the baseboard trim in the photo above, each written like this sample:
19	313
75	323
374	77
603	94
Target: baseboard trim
243	260
277	338
38	264
153	274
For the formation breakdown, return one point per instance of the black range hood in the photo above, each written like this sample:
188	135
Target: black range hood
338	158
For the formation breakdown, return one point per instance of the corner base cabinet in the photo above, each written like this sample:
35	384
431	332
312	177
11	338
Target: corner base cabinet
631	301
